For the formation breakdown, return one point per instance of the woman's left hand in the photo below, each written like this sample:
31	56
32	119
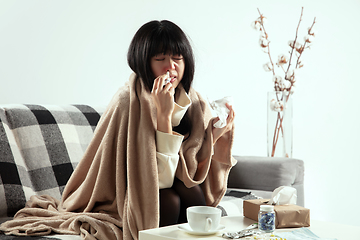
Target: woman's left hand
218	132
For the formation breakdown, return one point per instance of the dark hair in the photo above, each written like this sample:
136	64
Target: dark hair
158	37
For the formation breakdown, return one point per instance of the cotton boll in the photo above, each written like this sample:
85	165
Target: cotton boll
256	25
263	19
276	106
282	59
291	43
267	67
282	85
290	75
309	38
264	42
277	79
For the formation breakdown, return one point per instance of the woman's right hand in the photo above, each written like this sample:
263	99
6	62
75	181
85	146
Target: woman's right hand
163	96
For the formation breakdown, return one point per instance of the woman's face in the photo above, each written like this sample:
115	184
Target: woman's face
175	64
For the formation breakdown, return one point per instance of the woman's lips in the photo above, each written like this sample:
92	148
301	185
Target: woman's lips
172	79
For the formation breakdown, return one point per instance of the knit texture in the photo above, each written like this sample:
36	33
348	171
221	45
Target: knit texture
113	193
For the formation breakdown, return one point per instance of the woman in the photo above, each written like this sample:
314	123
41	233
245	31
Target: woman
154	153
163	47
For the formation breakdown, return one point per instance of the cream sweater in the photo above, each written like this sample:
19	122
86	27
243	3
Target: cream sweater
168	145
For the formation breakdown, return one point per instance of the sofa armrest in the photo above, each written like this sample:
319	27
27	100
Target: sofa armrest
266	174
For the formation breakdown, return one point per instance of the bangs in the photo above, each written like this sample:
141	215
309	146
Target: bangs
164	43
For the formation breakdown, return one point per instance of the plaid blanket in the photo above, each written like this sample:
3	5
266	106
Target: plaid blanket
39	148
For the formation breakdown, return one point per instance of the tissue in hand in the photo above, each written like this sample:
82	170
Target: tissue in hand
221	110
283	195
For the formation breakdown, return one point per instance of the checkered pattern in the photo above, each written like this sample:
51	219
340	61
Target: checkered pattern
39	148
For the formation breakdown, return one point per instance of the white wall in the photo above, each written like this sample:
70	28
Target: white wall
60	52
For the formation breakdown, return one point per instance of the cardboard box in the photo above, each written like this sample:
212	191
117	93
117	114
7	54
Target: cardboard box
286	215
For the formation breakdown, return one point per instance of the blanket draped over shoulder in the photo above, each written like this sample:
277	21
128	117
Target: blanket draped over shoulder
113	193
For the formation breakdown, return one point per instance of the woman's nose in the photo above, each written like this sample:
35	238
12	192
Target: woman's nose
171	64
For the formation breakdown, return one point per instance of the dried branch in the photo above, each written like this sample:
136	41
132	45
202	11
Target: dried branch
296	35
266	36
304	46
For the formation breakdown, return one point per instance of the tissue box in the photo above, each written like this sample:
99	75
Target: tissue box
291	216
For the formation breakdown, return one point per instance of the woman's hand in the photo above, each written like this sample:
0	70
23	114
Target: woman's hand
163	96
218	132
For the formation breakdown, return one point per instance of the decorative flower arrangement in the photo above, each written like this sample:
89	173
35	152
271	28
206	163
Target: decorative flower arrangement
284	85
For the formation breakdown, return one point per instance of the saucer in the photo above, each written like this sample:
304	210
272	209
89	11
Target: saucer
186	228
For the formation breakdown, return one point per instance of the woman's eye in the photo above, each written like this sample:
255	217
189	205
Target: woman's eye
159	59
177	58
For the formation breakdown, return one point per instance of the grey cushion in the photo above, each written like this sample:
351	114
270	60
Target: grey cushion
268	173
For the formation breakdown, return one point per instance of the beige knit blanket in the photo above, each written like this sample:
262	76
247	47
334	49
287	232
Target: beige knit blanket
113	193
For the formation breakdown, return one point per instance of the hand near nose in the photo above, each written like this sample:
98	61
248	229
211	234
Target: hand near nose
163	96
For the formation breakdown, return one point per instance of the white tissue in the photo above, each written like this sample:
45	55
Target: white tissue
283	195
221	110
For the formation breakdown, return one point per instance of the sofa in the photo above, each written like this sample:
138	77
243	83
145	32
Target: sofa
40	146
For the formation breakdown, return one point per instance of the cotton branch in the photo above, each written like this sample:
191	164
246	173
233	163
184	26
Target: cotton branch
304	46
296	35
266	36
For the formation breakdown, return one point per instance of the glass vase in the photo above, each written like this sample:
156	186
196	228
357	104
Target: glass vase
279	124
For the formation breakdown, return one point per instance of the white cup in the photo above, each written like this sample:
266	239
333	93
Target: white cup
203	218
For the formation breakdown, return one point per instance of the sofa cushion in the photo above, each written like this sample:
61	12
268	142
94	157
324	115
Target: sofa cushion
39	148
